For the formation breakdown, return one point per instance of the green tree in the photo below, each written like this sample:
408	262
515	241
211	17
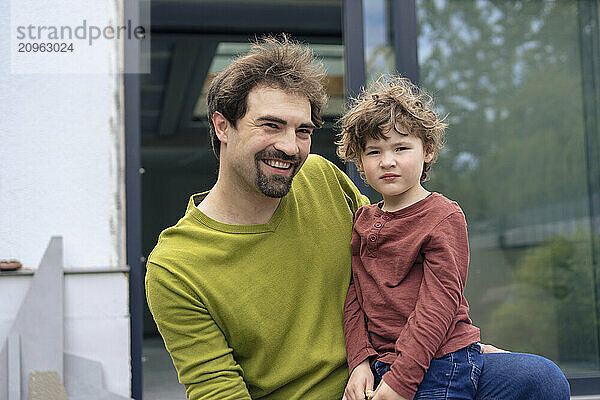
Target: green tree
549	309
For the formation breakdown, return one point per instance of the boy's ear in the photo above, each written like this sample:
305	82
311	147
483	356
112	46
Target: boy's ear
428	152
221	126
429	156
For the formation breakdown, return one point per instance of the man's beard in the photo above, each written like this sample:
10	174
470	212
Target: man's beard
275	186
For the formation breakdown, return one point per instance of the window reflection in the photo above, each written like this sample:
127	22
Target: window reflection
509	77
379	48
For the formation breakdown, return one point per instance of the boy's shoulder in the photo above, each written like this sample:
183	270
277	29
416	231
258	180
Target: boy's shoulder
444	203
440	207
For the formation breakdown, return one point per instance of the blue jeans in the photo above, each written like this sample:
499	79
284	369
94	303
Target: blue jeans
468	374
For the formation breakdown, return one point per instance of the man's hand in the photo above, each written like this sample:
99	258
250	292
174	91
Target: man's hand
361	380
384	392
488	348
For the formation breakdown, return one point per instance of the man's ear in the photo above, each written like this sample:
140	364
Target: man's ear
221	126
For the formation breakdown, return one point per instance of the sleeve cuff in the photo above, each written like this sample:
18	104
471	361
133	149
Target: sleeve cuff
360	357
404	376
399	387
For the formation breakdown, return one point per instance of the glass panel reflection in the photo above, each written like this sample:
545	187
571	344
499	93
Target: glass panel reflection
379	48
509	77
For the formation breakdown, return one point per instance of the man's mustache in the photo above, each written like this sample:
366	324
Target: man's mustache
278	154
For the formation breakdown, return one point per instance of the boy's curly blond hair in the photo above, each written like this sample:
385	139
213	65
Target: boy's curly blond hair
390	102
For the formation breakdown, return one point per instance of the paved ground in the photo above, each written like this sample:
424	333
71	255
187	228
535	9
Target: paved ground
159	379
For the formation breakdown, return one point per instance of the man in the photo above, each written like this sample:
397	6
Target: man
248	288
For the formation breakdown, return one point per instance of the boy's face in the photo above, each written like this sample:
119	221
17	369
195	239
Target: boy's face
393	166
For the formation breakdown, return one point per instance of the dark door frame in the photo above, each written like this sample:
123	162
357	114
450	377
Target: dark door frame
133	222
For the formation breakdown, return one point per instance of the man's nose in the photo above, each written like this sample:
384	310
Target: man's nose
287	142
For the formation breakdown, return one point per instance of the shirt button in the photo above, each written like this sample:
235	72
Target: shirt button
378	225
372	238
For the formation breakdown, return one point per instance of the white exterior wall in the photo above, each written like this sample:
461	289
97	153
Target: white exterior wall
61	173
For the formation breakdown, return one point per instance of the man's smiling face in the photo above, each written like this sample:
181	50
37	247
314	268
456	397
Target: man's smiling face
270	142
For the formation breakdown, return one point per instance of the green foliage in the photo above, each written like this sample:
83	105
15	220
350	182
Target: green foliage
550	307
507	74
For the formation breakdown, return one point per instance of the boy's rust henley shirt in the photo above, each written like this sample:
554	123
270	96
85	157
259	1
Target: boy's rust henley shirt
405	304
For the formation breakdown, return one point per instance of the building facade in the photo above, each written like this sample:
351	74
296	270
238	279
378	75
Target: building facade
109	160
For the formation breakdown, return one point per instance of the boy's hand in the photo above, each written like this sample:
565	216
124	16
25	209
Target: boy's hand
384	392
488	348
361	380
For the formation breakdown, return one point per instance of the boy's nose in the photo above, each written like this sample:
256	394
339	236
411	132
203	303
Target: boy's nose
387	161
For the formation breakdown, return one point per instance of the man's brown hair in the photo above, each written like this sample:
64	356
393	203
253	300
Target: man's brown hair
390	102
277	63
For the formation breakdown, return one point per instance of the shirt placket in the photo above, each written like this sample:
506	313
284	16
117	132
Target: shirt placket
374	234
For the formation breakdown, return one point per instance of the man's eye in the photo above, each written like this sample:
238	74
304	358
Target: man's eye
270	125
304	132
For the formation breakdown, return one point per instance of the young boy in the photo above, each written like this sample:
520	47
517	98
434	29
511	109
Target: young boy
406	320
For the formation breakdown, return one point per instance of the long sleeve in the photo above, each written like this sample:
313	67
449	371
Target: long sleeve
358	346
446	258
200	352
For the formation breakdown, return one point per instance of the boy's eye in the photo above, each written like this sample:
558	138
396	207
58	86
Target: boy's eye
372	152
401	148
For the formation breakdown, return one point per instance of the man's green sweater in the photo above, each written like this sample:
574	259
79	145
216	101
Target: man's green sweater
255	311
